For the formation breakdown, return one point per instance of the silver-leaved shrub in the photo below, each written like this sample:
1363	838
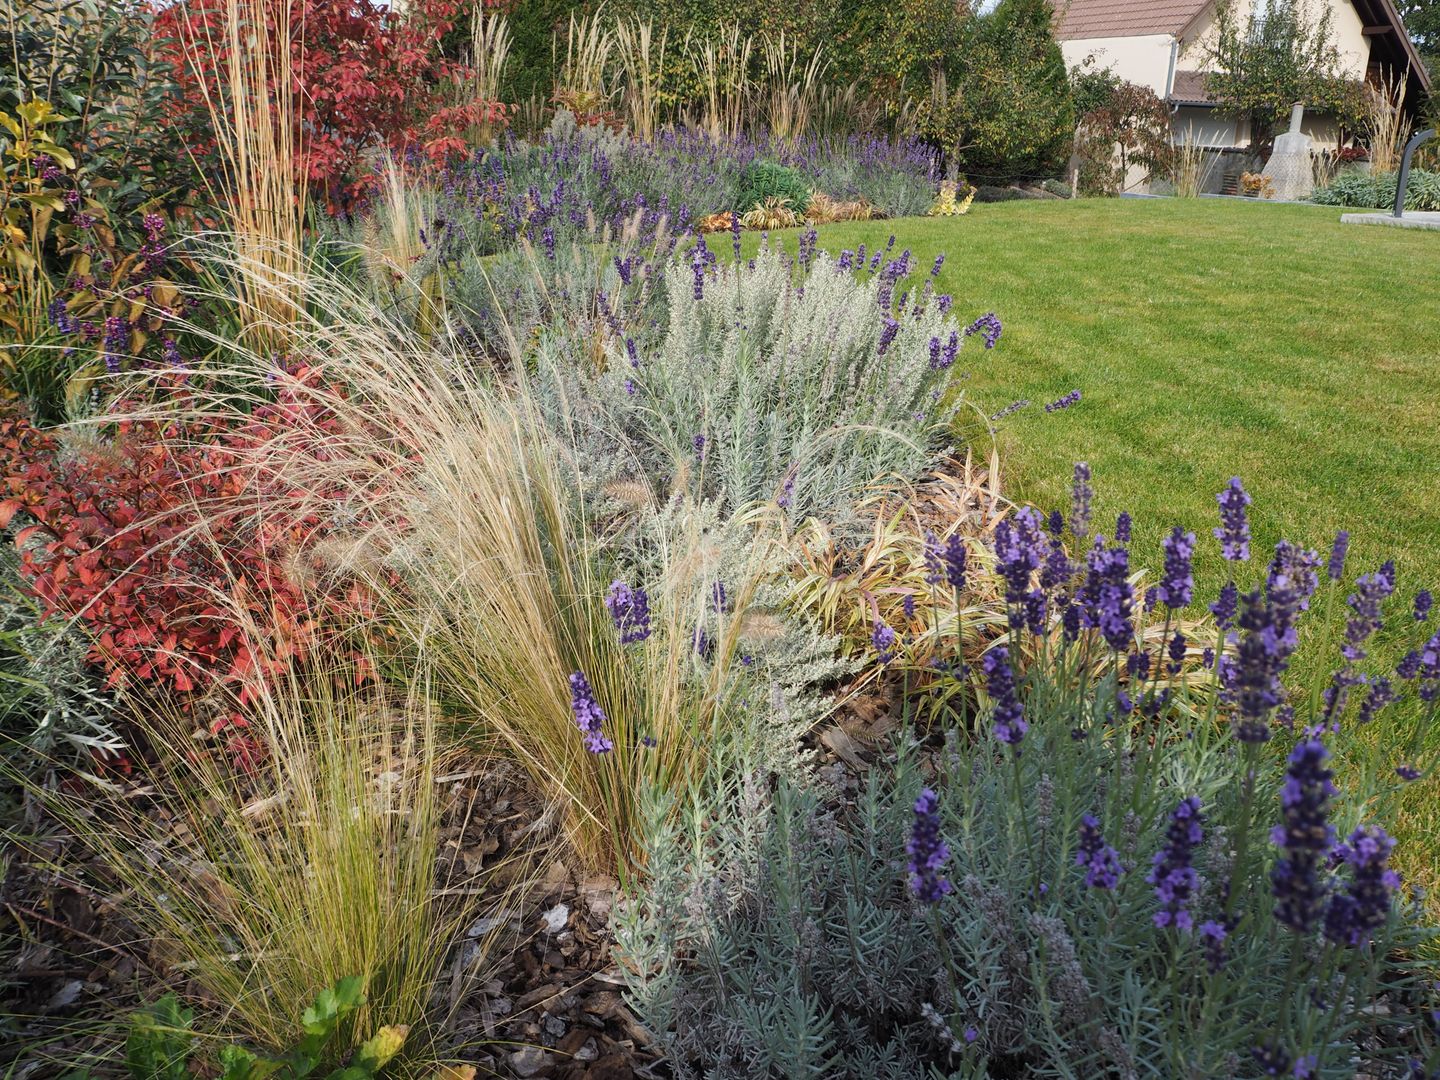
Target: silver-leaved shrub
801	382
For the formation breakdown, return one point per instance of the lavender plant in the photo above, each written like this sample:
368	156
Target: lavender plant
1113	878
794	382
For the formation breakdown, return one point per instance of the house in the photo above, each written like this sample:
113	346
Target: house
1162	44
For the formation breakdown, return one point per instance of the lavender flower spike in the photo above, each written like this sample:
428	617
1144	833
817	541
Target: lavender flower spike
928	853
1102	861
1304	837
589	717
1010	723
1177	586
1234	529
630	608
1173	875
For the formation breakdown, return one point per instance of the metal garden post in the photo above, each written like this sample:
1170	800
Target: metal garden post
1404	178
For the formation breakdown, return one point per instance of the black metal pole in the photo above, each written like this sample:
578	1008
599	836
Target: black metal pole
1404	178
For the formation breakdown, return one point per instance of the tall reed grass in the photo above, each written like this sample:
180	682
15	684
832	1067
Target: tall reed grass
489	55
583	79
1193	166
247	80
642	59
724	69
1386	122
792	89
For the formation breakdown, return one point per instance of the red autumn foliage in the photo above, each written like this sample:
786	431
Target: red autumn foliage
173	547
363	77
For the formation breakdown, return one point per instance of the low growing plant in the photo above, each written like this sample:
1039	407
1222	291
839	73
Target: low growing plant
764	180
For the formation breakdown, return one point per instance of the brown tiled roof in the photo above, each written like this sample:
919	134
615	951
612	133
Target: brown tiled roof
1123	18
1189	89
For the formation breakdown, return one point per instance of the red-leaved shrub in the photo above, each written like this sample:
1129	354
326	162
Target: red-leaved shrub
175	548
364	77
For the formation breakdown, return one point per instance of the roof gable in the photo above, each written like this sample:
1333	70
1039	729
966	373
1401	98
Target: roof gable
1078	19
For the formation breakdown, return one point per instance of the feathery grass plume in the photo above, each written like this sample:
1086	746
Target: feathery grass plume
261	145
581	78
1385	120
489	55
792	92
1193	165
396	235
318	862
451	505
642	59
724	69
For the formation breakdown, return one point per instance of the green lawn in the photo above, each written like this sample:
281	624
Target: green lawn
1212	339
1209	339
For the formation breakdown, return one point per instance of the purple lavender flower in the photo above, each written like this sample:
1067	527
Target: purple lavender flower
1176	651
701	643
1366	603
887	335
1225	606
1177	586
1423	602
1354	915
945	561
1336	569
547	240
1019	551
1234	529
698	442
1106	597
1102	861
883	638
1009	718
1304	837
927	851
589	717
1407	772
1123	524
1082	495
1172	874
117	342
1061	403
989	326
787	488
1273	1059
1251	678
1428	669
1213	935
630	608
735	233
939	262
1013	407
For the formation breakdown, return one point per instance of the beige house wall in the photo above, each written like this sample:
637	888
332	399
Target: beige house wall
1143	60
1350	40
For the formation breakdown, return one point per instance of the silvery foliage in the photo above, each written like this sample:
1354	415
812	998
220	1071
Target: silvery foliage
775	935
679	553
504	304
776	384
52	703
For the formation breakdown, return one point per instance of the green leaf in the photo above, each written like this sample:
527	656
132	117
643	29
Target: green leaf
158	1046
